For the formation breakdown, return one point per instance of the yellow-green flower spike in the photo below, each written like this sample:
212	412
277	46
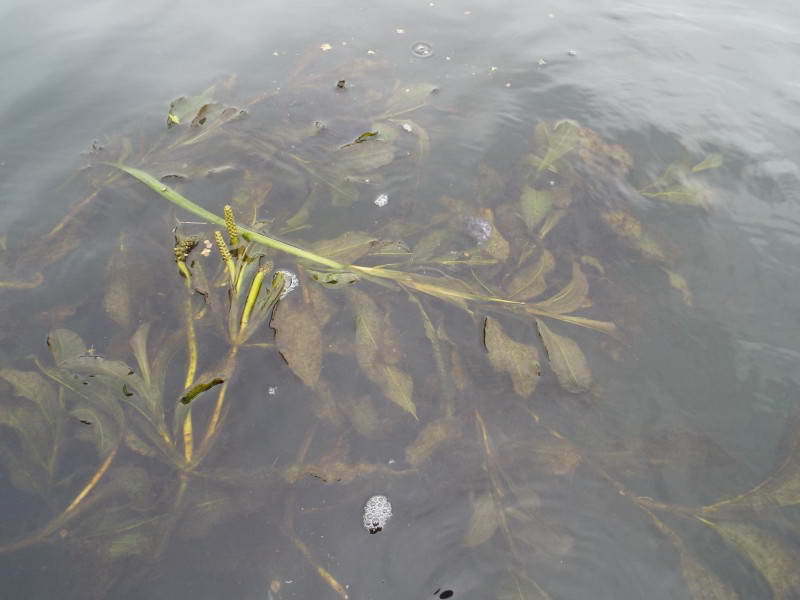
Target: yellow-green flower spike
226	255
230	225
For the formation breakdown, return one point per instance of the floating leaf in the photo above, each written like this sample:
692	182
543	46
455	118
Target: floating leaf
483	522
572	297
534	205
566	359
712	161
518	360
529	281
432	437
299	338
775	558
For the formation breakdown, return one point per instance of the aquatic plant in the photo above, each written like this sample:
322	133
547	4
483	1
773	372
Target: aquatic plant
497	262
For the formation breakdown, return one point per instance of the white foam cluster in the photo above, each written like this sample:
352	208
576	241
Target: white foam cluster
290	282
377	511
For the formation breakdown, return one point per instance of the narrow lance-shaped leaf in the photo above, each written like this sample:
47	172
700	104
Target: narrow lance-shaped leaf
566	359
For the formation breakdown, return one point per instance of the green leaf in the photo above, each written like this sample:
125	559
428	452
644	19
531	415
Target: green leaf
363	158
712	161
198	388
535	205
99	427
25	475
362	138
518	360
566	359
35	434
572	297
483	523
299	338
553	142
529	281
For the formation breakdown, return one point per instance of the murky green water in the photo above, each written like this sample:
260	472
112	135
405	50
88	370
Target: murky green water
651	453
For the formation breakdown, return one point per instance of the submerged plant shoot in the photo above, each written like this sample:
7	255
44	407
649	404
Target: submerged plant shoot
461	338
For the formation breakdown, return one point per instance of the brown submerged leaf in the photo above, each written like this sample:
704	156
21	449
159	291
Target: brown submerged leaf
518	586
521	361
571	298
774	558
483	523
528	281
299	338
535	205
432	437
346	248
396	384
566	359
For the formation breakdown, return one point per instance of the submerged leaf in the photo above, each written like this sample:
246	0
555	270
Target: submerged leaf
299	338
553	142
348	247
535	205
335	279
566	359
529	280
430	439
677	281
774	558
396	384
712	161
363	158
407	98
100	427
572	297
518	360
32	386
483	523
518	586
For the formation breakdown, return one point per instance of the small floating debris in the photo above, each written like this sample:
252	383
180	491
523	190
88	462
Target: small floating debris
326	47
377	512
290	282
572	52
341	84
399	31
381	200
422	50
407	128
541	62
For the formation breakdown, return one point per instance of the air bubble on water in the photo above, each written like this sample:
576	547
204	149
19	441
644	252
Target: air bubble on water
290	282
422	50
377	512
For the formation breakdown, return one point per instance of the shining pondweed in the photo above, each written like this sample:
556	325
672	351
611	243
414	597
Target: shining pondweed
532	300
